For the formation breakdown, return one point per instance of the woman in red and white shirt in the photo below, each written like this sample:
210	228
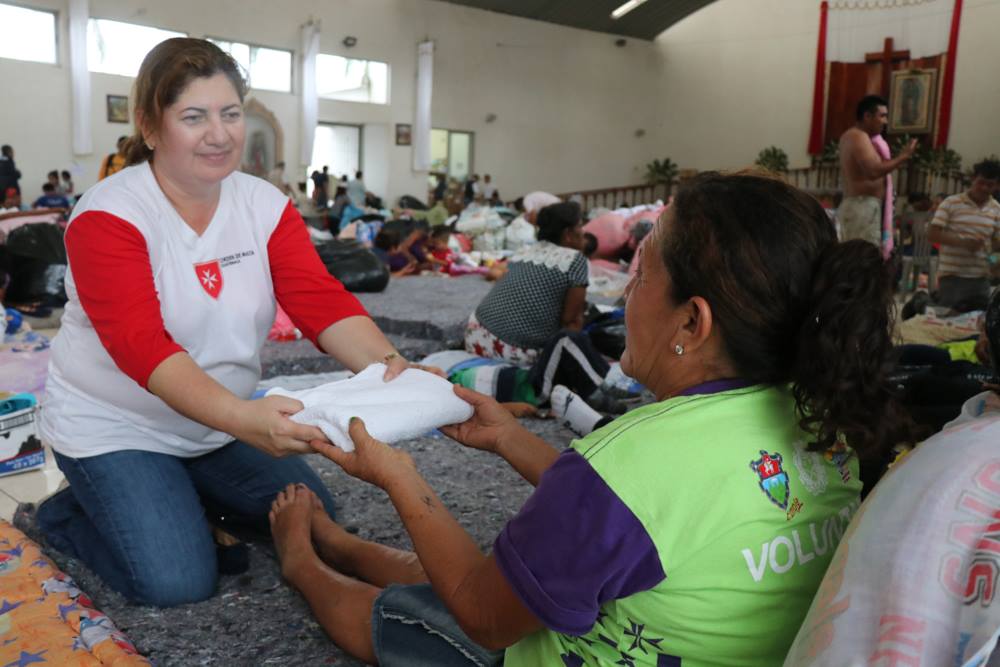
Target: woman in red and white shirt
175	267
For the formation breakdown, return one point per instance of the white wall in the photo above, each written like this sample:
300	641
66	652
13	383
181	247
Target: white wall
738	77
975	118
567	101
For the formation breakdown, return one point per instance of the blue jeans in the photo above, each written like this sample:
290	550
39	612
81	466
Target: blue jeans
142	520
411	627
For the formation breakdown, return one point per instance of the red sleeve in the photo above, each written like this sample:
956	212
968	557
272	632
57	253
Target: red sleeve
305	289
114	282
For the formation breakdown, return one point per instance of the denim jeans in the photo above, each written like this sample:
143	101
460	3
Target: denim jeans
411	627
142	520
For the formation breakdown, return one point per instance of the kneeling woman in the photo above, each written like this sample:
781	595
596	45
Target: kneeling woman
533	316
175	264
691	531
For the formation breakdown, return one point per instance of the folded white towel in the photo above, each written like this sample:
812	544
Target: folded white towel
411	405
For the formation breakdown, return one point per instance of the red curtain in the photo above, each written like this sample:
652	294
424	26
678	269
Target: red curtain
948	85
819	85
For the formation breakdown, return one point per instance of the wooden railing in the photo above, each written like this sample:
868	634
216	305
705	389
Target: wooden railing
826	179
627	195
819	180
922	181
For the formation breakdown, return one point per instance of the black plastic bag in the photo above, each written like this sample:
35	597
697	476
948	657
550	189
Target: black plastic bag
607	333
411	202
354	265
36	256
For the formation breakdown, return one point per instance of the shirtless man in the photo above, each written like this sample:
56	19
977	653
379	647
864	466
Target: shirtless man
865	171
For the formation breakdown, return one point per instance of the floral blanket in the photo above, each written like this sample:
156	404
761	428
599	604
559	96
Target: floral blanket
24	357
45	619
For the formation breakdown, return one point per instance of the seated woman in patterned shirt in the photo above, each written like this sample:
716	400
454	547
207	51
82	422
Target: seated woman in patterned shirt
533	316
693	531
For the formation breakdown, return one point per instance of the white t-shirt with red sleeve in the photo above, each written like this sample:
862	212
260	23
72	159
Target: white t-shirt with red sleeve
143	286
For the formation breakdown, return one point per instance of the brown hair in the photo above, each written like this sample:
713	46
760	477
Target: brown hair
793	306
164	74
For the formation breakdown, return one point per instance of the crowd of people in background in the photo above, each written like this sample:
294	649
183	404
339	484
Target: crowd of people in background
58	191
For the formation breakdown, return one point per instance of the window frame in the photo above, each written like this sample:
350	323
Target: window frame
56	16
179	33
388	81
252	45
472	150
361	149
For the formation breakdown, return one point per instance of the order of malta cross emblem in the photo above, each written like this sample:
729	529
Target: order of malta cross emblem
773	480
210	277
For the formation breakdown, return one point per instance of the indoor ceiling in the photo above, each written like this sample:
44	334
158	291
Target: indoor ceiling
644	22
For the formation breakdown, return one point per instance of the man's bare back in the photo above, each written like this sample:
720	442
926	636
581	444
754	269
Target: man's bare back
857	151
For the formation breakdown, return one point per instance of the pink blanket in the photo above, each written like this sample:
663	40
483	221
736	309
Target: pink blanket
882	148
612	234
10	224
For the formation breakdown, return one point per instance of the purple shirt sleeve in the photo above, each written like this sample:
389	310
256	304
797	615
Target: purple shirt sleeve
574	546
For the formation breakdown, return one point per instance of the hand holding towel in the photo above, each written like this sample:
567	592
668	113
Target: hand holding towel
409	406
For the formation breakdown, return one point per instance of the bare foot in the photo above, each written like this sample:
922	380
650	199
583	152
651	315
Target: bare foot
348	554
331	540
289	516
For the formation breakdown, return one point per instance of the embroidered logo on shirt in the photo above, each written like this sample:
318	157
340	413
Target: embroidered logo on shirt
812	469
210	276
794	509
773	480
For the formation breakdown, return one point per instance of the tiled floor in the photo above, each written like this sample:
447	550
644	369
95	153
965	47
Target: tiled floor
28	487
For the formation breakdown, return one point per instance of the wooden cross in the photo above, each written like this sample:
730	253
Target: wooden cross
887	57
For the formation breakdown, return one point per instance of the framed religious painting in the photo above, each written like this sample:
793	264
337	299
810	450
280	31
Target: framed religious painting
265	141
117	109
404	132
912	94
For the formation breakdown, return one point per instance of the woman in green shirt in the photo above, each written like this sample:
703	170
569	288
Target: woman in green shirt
691	531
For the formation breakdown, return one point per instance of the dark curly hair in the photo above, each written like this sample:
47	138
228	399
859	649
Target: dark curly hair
792	305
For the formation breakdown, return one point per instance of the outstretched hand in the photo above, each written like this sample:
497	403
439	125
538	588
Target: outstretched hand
264	423
372	460
490	423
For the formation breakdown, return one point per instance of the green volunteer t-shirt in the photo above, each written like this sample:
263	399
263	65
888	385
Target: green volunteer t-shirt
744	520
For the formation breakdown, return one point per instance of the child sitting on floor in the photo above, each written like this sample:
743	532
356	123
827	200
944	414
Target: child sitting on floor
50	199
11	201
66	188
388	249
441	256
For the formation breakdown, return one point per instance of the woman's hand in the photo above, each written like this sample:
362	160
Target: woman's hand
265	424
485	430
398	364
371	461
